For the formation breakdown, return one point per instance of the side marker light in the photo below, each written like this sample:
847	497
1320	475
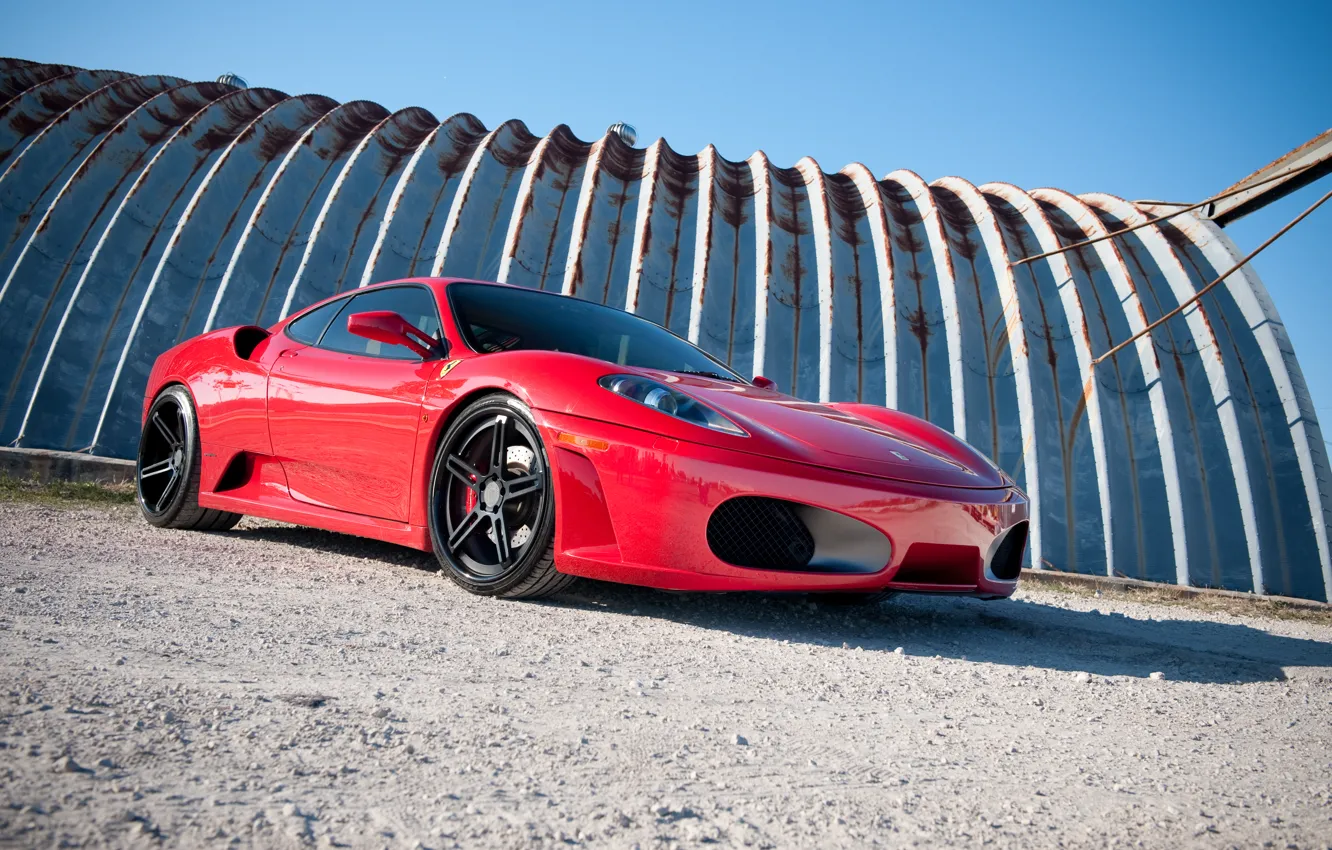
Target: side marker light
583	442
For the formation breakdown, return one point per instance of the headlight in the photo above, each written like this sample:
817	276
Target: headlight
658	396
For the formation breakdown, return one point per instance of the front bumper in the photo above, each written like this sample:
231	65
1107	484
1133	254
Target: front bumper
633	507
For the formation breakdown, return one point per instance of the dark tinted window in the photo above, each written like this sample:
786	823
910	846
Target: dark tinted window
416	304
310	327
501	318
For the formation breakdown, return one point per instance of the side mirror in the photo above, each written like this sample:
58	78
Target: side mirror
765	383
388	327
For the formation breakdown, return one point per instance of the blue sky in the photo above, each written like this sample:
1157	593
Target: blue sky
1145	100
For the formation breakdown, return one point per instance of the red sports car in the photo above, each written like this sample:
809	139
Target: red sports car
527	438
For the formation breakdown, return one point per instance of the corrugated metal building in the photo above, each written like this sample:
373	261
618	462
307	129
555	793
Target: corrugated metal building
137	211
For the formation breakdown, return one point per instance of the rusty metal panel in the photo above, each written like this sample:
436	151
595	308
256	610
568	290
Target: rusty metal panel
35	174
34	292
1289	460
23	118
344	233
923	379
541	228
1027	467
472	243
724	263
409	233
394	145
856	331
60	142
1147	517
16	79
180	293
876	310
120	242
1222	535
138	211
1306	434
790	301
1076	507
998	388
98	298
162	207
191	270
51	265
980	368
118	271
280	224
661	276
600	248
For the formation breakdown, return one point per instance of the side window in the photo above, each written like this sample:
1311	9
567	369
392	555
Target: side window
416	304
310	327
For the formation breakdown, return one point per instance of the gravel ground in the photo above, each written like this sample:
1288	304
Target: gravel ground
276	686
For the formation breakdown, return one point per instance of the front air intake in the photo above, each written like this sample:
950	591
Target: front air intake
767	534
1006	562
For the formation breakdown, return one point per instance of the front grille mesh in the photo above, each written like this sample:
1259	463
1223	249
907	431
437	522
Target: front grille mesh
752	531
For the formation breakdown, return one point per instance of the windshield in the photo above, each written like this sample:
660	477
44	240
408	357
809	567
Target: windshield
505	318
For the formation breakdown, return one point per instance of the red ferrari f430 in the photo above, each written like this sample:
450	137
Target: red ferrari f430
527	438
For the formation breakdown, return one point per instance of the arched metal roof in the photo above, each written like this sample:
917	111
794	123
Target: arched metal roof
136	211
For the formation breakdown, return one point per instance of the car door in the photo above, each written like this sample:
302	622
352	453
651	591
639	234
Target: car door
343	412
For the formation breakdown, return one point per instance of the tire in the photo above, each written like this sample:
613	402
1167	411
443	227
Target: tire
476	502
166	480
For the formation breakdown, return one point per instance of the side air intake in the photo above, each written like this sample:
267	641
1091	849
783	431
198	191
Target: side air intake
774	534
1006	562
768	534
247	339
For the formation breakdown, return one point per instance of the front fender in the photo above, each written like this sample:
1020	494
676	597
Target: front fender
564	383
545	381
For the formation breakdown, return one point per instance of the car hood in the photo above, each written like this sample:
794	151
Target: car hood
857	438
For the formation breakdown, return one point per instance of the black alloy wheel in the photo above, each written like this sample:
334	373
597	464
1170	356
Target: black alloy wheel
492	511
162	455
167	478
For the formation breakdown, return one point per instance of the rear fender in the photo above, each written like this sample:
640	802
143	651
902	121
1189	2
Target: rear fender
226	372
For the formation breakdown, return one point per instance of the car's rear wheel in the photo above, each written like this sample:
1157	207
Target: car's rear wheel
167	477
492	503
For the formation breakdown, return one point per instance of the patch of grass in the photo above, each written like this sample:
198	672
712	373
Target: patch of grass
64	492
1240	606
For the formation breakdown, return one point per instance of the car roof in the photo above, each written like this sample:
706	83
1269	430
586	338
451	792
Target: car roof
440	282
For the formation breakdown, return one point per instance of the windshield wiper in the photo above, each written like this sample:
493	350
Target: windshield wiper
718	375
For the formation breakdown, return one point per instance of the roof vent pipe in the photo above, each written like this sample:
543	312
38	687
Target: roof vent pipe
626	132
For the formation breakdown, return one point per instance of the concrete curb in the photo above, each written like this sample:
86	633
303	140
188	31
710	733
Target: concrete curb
1131	584
44	466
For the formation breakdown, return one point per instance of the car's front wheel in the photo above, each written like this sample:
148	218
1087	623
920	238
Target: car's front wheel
492	503
167	478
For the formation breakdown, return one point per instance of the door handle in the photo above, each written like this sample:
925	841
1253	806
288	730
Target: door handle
281	365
